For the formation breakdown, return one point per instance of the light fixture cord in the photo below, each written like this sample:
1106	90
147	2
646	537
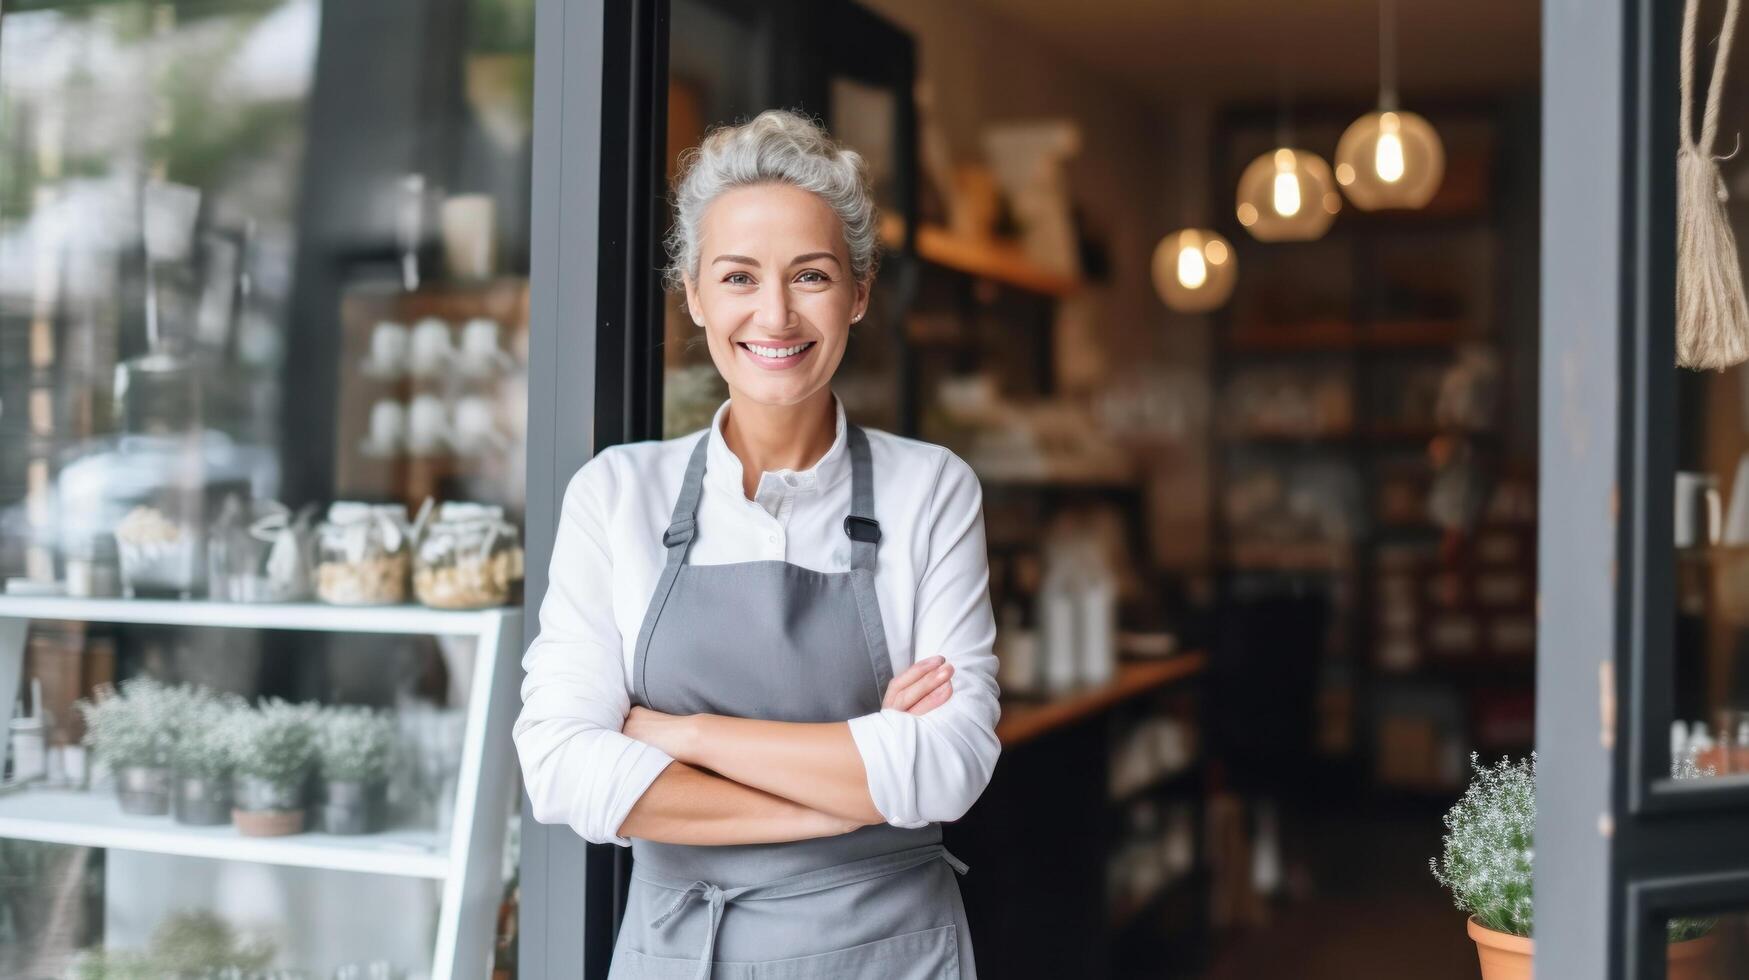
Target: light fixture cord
1388	55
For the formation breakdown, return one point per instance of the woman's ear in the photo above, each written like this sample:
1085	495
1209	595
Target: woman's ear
859	307
692	304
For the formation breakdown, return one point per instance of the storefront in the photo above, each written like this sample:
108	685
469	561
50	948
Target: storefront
1272	551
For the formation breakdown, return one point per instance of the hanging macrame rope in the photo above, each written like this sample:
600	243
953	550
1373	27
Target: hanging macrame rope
1712	316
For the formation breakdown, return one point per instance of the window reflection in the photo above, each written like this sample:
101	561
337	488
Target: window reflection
263	340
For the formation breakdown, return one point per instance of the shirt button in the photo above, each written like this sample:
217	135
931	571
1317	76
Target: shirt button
771	539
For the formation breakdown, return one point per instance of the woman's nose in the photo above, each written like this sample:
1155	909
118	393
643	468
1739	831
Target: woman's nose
773	313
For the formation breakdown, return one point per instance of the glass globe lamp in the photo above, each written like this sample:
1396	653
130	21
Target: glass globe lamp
1195	270
1287	195
1390	159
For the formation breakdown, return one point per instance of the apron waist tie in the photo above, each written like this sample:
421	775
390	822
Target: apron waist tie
717	899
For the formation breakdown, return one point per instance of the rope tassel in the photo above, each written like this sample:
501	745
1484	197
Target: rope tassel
1712	315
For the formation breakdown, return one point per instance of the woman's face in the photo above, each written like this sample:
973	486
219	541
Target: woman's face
774	292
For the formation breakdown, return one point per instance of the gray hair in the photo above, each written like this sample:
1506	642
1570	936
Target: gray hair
776	147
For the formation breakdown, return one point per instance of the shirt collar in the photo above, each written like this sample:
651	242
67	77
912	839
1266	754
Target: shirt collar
723	467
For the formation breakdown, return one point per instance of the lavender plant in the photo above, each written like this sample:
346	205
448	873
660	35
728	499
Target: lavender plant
206	743
275	742
1488	859
135	726
355	743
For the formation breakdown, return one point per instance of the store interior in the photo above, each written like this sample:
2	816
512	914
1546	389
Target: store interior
1259	474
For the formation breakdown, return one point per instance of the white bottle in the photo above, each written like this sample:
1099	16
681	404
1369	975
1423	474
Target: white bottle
1058	628
1098	616
1017	666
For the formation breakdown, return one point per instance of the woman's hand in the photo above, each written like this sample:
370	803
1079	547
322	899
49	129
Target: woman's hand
923	687
673	734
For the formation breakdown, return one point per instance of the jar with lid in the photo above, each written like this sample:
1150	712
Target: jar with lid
469	558
363	552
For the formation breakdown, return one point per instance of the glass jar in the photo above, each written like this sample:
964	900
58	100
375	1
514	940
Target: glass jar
469	558
363	554
258	552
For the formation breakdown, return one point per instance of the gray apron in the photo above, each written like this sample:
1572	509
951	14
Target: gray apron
772	640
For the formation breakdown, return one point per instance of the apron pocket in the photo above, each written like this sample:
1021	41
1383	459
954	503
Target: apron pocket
929	954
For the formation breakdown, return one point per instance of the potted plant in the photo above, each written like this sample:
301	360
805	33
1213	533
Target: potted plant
133	731
355	747
275	744
203	755
1487	867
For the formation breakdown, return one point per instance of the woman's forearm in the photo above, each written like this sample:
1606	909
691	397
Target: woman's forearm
816	765
687	806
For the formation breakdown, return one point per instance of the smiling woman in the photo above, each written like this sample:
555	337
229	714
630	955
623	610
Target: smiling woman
765	650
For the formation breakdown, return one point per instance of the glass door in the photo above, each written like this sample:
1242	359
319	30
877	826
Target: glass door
1642	868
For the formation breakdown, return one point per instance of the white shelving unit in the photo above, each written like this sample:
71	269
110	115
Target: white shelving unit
468	861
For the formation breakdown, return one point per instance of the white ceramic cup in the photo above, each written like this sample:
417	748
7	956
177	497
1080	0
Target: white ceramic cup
388	425
432	347
428	428
479	350
388	347
476	424
469	236
1698	507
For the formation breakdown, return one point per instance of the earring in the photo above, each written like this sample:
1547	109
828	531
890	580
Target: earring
856	318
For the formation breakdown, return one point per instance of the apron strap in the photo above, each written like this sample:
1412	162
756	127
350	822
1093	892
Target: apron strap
865	537
678	540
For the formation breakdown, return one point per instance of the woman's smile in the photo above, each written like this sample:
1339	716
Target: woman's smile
773	357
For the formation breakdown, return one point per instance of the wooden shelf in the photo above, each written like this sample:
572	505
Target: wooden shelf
95	819
1339	335
1023	721
998	261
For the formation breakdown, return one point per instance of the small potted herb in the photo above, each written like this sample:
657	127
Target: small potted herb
203	754
275	744
133	730
1487	866
355	747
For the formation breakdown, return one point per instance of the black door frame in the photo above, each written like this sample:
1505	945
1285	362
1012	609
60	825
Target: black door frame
1620	846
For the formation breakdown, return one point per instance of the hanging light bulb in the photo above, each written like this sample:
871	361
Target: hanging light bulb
1389	158
1194	270
1287	195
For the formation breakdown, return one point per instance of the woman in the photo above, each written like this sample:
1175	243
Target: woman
765	651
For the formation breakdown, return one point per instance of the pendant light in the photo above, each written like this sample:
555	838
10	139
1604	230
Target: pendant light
1194	268
1389	158
1287	195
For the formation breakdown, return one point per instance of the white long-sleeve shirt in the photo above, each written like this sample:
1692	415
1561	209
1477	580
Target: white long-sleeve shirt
931	580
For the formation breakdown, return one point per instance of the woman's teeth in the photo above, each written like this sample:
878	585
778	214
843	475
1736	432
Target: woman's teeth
776	352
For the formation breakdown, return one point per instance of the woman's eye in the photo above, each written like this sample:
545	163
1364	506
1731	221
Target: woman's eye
738	279
813	275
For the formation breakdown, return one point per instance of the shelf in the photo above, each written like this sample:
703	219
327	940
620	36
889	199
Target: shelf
312	616
1338	335
1024	721
999	261
95	819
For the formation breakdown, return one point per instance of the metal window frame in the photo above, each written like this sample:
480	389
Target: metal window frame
594	378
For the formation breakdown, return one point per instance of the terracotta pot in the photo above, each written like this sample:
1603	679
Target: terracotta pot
1503	955
1507	957
1694	959
268	823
